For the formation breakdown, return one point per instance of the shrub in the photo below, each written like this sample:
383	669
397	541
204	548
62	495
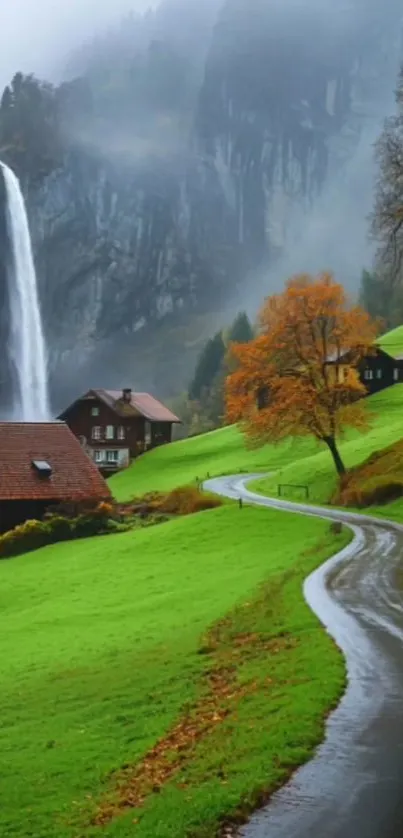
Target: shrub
25	537
56	527
184	500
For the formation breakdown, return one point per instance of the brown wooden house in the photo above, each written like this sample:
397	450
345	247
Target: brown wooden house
115	426
376	371
43	464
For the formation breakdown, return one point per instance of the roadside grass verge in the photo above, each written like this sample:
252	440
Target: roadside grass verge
108	644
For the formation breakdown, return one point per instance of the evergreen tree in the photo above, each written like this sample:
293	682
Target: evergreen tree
208	367
241	330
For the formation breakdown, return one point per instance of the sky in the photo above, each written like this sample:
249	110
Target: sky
37	35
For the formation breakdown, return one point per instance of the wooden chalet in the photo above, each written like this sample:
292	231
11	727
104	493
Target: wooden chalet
43	464
376	371
115	426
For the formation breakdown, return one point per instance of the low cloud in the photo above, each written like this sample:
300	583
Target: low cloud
37	36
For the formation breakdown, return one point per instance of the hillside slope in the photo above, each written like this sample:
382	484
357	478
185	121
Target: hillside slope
111	645
317	472
293	461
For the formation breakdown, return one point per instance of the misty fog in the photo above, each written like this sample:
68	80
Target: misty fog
39	37
36	37
304	47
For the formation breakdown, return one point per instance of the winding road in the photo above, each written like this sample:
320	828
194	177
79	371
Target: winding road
353	786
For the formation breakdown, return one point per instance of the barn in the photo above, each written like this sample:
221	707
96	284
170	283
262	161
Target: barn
42	463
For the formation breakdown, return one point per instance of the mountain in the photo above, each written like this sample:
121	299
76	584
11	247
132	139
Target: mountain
192	154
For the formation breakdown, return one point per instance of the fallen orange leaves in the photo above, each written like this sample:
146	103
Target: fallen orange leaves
133	784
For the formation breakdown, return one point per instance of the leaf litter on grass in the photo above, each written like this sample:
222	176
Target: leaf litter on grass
229	649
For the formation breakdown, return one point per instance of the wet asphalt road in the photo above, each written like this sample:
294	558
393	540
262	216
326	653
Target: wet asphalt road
353	787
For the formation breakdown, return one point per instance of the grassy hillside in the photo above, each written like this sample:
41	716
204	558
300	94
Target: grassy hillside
392	342
296	461
215	453
317	471
156	660
189	634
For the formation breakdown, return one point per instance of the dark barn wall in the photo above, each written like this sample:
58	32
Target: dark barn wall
161	433
383	368
14	512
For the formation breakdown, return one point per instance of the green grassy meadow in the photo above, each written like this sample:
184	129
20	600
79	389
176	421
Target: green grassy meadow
215	453
392	342
317	471
159	681
296	461
100	647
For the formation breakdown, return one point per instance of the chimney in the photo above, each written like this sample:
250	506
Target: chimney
127	394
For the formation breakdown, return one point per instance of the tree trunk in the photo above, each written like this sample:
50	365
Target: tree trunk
331	444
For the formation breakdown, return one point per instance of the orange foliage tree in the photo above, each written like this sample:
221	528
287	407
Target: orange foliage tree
299	375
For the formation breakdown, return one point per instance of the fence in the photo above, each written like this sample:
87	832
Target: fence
282	486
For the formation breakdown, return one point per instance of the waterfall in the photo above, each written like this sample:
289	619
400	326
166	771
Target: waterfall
27	344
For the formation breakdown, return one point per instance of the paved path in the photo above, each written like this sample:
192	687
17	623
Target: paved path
353	787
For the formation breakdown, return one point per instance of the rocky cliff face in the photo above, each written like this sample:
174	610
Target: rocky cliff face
179	221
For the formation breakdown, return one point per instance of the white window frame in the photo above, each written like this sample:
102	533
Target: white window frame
396	374
368	375
121	432
95	411
379	373
110	432
112	459
99	456
96	432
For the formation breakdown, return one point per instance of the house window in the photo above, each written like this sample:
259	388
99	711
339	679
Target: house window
121	432
99	456
95	411
110	432
379	373
396	374
112	456
96	432
368	375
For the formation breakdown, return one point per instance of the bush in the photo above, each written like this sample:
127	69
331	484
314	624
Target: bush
184	500
25	537
56	527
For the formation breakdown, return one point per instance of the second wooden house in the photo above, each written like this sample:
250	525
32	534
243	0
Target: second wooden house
115	426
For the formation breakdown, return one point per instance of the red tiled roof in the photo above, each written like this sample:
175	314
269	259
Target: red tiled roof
140	403
74	476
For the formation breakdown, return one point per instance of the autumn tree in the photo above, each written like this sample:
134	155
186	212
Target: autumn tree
299	375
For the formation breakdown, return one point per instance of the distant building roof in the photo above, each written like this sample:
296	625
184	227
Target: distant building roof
136	404
45	461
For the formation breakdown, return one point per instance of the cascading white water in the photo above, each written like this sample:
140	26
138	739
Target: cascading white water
27	341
